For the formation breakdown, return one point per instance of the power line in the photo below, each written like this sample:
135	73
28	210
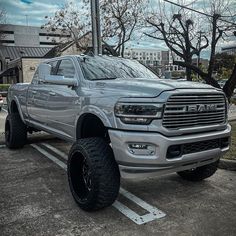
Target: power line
199	12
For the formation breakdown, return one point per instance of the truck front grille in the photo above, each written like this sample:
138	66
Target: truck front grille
194	110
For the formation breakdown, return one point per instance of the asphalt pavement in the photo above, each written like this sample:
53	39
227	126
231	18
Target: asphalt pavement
35	199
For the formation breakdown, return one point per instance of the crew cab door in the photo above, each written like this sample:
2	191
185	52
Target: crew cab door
63	102
37	99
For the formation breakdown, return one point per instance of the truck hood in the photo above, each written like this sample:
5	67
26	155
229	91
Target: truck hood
147	87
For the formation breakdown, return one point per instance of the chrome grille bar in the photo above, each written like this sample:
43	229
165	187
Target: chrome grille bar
177	114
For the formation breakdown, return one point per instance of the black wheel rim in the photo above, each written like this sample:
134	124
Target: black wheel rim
86	175
80	177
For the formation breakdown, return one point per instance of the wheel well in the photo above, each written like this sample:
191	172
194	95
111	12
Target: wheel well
14	108
90	125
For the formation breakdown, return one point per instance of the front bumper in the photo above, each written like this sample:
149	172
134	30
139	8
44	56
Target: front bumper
142	166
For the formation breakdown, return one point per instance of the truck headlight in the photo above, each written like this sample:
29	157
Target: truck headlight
132	113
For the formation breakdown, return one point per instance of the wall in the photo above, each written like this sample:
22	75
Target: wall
29	66
72	50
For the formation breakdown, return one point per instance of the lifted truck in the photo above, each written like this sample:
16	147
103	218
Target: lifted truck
123	120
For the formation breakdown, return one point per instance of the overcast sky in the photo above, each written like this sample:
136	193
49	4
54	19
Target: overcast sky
35	11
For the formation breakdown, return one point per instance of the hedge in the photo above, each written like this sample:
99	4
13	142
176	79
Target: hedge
4	87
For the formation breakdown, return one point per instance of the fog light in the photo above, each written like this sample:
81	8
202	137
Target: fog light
174	151
142	149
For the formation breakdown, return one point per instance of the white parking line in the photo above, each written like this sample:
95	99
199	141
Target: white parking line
4	110
50	156
58	152
153	214
2	146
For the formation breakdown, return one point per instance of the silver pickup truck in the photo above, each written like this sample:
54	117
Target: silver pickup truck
123	120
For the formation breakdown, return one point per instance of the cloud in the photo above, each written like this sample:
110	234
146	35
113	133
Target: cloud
34	9
26	1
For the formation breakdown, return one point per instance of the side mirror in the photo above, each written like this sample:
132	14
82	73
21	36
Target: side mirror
44	71
60	80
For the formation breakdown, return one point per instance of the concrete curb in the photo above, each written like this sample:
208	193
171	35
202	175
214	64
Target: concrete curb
227	164
232	119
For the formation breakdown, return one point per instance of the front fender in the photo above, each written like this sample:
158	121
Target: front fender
105	116
16	100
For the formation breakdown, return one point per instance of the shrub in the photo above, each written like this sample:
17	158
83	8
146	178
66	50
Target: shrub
4	87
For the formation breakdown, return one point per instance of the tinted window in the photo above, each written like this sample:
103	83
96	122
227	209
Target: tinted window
66	68
95	68
54	67
35	77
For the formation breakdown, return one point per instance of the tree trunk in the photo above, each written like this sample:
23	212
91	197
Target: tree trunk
213	44
230	84
209	80
123	50
188	74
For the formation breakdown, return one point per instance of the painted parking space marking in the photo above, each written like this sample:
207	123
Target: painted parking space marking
2	146
153	212
55	150
3	109
50	156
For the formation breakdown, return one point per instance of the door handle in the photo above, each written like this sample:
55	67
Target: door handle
52	93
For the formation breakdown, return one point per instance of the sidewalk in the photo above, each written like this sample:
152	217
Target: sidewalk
232	113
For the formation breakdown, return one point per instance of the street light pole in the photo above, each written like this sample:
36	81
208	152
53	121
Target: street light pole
96	29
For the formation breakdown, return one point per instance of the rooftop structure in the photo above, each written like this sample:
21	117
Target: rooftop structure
31	36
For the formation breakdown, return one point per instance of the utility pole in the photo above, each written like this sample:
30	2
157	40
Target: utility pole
96	28
26	19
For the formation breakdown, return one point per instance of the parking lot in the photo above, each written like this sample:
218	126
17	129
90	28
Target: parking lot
35	199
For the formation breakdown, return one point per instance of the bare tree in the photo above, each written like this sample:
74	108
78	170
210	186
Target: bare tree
179	31
181	40
179	36
120	19
69	19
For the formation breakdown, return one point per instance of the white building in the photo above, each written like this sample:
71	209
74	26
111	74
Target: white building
171	66
160	61
150	57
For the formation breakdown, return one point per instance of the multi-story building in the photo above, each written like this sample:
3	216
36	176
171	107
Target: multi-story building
171	66
23	47
148	56
31	36
231	50
160	61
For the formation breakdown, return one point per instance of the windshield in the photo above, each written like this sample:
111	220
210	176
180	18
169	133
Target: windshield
101	68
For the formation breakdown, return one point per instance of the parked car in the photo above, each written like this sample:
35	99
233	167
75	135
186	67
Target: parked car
1	102
123	120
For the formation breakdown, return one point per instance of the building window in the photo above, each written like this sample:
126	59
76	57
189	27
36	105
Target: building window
53	64
54	35
48	43
6	32
7	41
